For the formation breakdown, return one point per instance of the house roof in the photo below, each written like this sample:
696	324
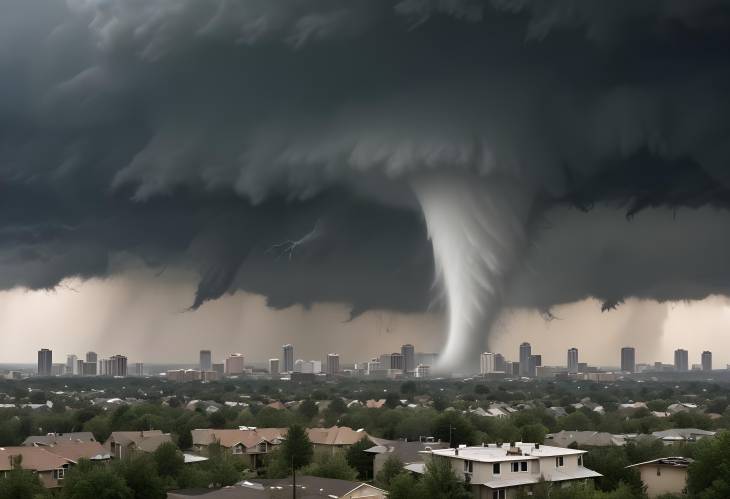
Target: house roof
579	473
146	441
335	435
585	438
83	436
682	434
494	454
33	458
407	452
75	450
232	437
308	487
675	462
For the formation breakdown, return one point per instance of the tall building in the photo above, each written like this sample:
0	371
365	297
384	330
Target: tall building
287	358
333	364
392	361
234	363
139	368
681	360
219	369
80	367
45	362
118	365
273	366
628	359
487	363
71	364
92	357
206	360
535	362
525	352
409	357
707	360
499	363
427	359
573	360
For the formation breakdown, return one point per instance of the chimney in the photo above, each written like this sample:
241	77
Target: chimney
537	446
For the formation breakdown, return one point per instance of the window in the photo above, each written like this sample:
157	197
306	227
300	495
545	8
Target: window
237	449
496	469
523	465
59	474
559	462
580	460
499	494
468	466
515	466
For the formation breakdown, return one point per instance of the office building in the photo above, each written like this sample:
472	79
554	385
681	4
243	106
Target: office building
333	364
58	369
287	358
45	362
707	360
206	360
681	360
535	362
628	359
409	357
118	365
71	367
89	369
422	371
525	352
219	369
486	363
79	367
573	360
92	357
139	368
273	366
234	364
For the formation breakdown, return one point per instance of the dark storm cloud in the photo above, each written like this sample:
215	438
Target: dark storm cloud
206	132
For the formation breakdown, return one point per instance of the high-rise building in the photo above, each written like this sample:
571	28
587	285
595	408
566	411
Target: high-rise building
287	358
525	352
628	359
206	360
92	357
681	360
573	360
487	363
71	367
333	364
499	363
80	367
535	362
274	366
118	365
45	362
235	364
427	358
91	367
422	371
392	360
409	357
139	368
707	360
219	369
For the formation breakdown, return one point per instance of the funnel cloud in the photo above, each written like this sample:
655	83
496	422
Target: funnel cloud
515	153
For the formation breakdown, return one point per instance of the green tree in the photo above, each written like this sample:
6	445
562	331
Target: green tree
392	400
360	460
140	473
330	465
21	484
408	388
297	449
440	481
100	426
404	486
169	459
709	474
90	481
392	467
308	409
452	427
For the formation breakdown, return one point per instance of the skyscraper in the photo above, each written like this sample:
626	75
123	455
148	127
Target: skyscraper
409	357
234	363
139	368
45	362
681	360
273	366
71	364
92	357
499	363
206	360
287	358
628	359
333	364
573	360
487	363
707	360
535	360
118	365
525	352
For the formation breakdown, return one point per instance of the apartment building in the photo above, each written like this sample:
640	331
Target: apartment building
499	471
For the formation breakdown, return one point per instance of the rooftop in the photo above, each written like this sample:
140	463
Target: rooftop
492	453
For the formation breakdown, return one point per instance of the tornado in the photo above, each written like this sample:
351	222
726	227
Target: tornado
477	229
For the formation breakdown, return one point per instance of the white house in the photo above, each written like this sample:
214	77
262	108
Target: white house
498	471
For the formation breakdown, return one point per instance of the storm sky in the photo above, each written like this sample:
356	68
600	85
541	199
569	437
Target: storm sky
453	158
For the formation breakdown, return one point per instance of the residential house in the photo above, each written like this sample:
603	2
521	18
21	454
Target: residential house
498	471
125	443
682	435
247	442
307	487
681	407
666	475
409	453
567	438
51	438
337	437
50	468
73	450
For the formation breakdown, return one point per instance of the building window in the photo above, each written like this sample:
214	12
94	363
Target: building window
515	466
559	462
523	465
499	494
580	460
237	449
468	466
496	469
59	474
